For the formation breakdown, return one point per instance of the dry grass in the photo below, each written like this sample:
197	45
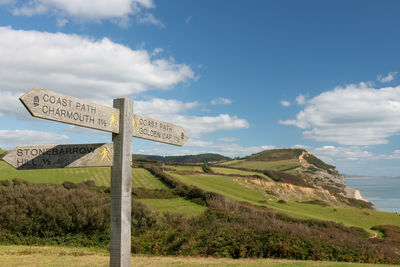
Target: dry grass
61	256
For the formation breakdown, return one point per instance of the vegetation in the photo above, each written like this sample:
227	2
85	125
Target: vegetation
287	178
276	154
391	233
190	168
176	205
2	152
143	178
100	175
64	256
279	165
79	216
224	185
317	162
187	159
223	170
188	210
206	168
350	216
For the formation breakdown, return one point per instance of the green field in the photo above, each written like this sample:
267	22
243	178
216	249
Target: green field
349	216
100	175
192	168
2	151
174	205
226	186
143	178
63	256
221	184
278	165
222	170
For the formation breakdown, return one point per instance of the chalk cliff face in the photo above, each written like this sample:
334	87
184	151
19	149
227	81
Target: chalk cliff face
311	169
320	173
316	169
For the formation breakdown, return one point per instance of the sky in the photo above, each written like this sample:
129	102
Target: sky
239	76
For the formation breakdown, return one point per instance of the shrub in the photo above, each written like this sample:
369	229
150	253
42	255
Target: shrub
206	168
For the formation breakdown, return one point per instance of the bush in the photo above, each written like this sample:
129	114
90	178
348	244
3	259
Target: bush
79	216
206	168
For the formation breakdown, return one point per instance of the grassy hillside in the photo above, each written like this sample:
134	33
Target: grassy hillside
192	168
100	175
276	154
286	165
227	186
224	185
201	158
222	170
220	230
2	151
175	205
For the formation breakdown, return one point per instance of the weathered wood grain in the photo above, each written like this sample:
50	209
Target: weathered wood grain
159	131
121	175
60	156
50	105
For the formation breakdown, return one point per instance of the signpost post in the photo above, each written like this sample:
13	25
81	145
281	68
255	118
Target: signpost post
123	124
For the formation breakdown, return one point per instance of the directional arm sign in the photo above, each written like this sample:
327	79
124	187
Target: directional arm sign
60	156
160	131
119	120
58	107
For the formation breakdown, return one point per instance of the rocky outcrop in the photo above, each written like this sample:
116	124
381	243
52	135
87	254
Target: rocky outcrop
353	193
319	171
325	175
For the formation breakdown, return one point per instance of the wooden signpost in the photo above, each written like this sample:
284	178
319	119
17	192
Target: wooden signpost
159	131
58	107
60	156
123	124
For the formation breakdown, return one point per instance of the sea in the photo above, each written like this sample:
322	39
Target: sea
383	192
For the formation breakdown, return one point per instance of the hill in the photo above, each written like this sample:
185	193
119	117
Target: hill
296	166
186	159
276	154
270	206
2	152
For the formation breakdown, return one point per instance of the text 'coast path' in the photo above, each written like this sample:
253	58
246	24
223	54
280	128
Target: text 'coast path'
58	107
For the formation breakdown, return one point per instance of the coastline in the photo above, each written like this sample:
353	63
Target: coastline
381	191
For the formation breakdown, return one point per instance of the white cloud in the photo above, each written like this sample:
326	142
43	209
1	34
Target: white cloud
231	150
6	2
351	115
173	110
388	78
11	138
221	101
83	11
228	139
198	126
61	22
285	103
157	51
188	19
96	70
332	153
301	99
157	106
148	18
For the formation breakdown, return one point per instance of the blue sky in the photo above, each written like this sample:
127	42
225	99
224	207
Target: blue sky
240	76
